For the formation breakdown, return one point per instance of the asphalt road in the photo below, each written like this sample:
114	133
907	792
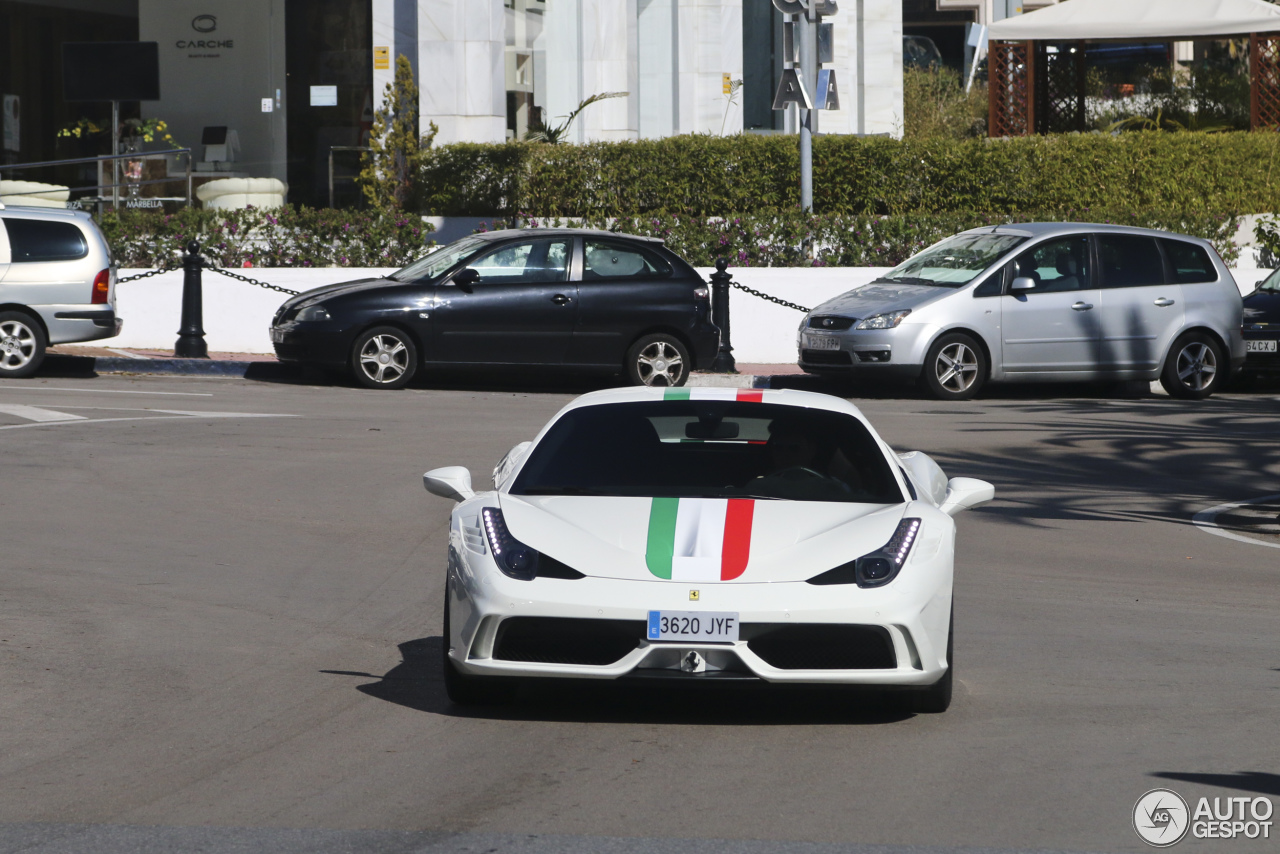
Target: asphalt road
221	633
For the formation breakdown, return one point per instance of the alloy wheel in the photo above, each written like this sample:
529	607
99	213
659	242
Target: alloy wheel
17	345
1197	366
956	367
660	364
384	358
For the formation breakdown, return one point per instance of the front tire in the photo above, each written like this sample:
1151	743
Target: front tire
936	699
384	357
461	689
658	360
1196	367
955	368
22	345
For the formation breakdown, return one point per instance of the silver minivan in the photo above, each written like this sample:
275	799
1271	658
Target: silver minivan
57	285
1037	302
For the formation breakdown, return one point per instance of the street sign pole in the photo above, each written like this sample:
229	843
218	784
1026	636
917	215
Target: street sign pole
808	117
802	76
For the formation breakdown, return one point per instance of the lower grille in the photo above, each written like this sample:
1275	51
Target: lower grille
560	640
822	646
825	357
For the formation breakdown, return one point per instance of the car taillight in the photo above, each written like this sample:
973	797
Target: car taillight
701	293
101	287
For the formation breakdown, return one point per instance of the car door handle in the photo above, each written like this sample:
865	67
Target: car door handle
560	299
1162	302
1082	306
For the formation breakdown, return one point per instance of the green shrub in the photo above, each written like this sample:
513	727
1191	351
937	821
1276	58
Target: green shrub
285	237
746	174
936	105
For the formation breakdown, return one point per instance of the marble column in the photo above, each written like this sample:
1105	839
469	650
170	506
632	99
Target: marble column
710	47
462	69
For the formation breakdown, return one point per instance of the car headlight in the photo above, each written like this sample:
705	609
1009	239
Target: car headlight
880	566
513	557
883	321
314	312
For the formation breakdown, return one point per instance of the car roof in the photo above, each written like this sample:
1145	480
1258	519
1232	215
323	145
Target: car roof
565	232
1043	229
783	396
39	212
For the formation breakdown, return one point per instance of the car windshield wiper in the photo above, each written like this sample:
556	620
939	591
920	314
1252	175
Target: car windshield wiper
904	280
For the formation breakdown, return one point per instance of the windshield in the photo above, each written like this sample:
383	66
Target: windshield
954	262
440	260
709	449
1270	283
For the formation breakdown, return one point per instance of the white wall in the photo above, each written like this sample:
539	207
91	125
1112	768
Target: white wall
710	47
462	69
237	315
223	85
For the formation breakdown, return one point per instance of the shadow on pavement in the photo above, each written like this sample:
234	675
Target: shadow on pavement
418	683
1245	781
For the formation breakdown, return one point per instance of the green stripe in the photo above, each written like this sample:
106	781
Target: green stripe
662	536
676	393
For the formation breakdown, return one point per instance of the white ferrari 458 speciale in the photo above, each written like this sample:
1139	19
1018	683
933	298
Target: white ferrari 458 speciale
704	533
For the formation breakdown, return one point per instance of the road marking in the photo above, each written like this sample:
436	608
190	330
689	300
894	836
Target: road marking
169	415
1204	520
125	353
105	390
35	413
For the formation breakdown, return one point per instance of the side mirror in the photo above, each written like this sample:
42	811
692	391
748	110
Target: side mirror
464	279
1023	283
965	493
449	482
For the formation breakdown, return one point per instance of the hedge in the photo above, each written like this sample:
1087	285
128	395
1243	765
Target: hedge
284	237
328	238
1192	173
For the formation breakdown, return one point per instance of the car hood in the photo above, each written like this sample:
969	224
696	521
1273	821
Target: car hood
340	289
879	298
782	540
1262	307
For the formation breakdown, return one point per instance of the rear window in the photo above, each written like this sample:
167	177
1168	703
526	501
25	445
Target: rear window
1129	261
38	240
1190	263
619	261
710	449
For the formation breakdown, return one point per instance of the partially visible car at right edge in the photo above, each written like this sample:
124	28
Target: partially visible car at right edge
1262	327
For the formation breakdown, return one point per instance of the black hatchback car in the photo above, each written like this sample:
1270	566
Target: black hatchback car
589	300
1262	327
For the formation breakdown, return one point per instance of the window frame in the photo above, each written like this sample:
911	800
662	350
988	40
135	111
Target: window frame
1164	262
630	247
84	241
1091	251
1171	270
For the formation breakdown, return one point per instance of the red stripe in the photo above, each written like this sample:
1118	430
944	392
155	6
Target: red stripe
750	395
737	538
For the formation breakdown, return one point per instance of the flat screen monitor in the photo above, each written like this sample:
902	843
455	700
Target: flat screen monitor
111	71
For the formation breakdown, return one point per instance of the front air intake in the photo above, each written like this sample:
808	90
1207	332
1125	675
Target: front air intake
822	646
561	640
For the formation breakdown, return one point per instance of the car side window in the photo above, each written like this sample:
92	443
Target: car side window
529	262
603	260
994	284
33	240
1055	265
1129	261
1189	263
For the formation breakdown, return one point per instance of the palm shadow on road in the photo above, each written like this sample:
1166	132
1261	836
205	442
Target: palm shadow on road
417	682
1261	782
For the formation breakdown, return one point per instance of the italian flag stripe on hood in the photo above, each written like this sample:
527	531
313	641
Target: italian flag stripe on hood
699	539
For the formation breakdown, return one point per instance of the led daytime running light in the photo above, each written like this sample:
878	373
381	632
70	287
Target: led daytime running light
513	557
899	545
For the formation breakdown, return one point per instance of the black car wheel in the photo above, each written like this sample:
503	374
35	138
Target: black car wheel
22	345
466	690
658	360
1195	368
955	367
384	357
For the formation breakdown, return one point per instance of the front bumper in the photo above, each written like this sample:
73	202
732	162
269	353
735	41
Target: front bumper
890	353
313	343
911	621
1262	362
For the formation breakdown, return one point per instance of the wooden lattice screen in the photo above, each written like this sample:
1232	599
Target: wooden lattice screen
1011	89
1264	82
1059	87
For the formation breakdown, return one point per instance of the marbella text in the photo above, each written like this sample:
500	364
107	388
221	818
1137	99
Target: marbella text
1229	818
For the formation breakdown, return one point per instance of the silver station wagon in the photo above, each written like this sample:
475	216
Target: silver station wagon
1037	302
57	285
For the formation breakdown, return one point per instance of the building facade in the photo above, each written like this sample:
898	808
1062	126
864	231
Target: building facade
298	81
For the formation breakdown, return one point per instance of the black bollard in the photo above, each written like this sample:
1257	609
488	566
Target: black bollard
190	344
723	363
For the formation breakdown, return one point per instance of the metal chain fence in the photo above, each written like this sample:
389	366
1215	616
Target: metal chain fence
257	282
765	296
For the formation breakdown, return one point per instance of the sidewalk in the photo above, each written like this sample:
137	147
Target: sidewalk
117	360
